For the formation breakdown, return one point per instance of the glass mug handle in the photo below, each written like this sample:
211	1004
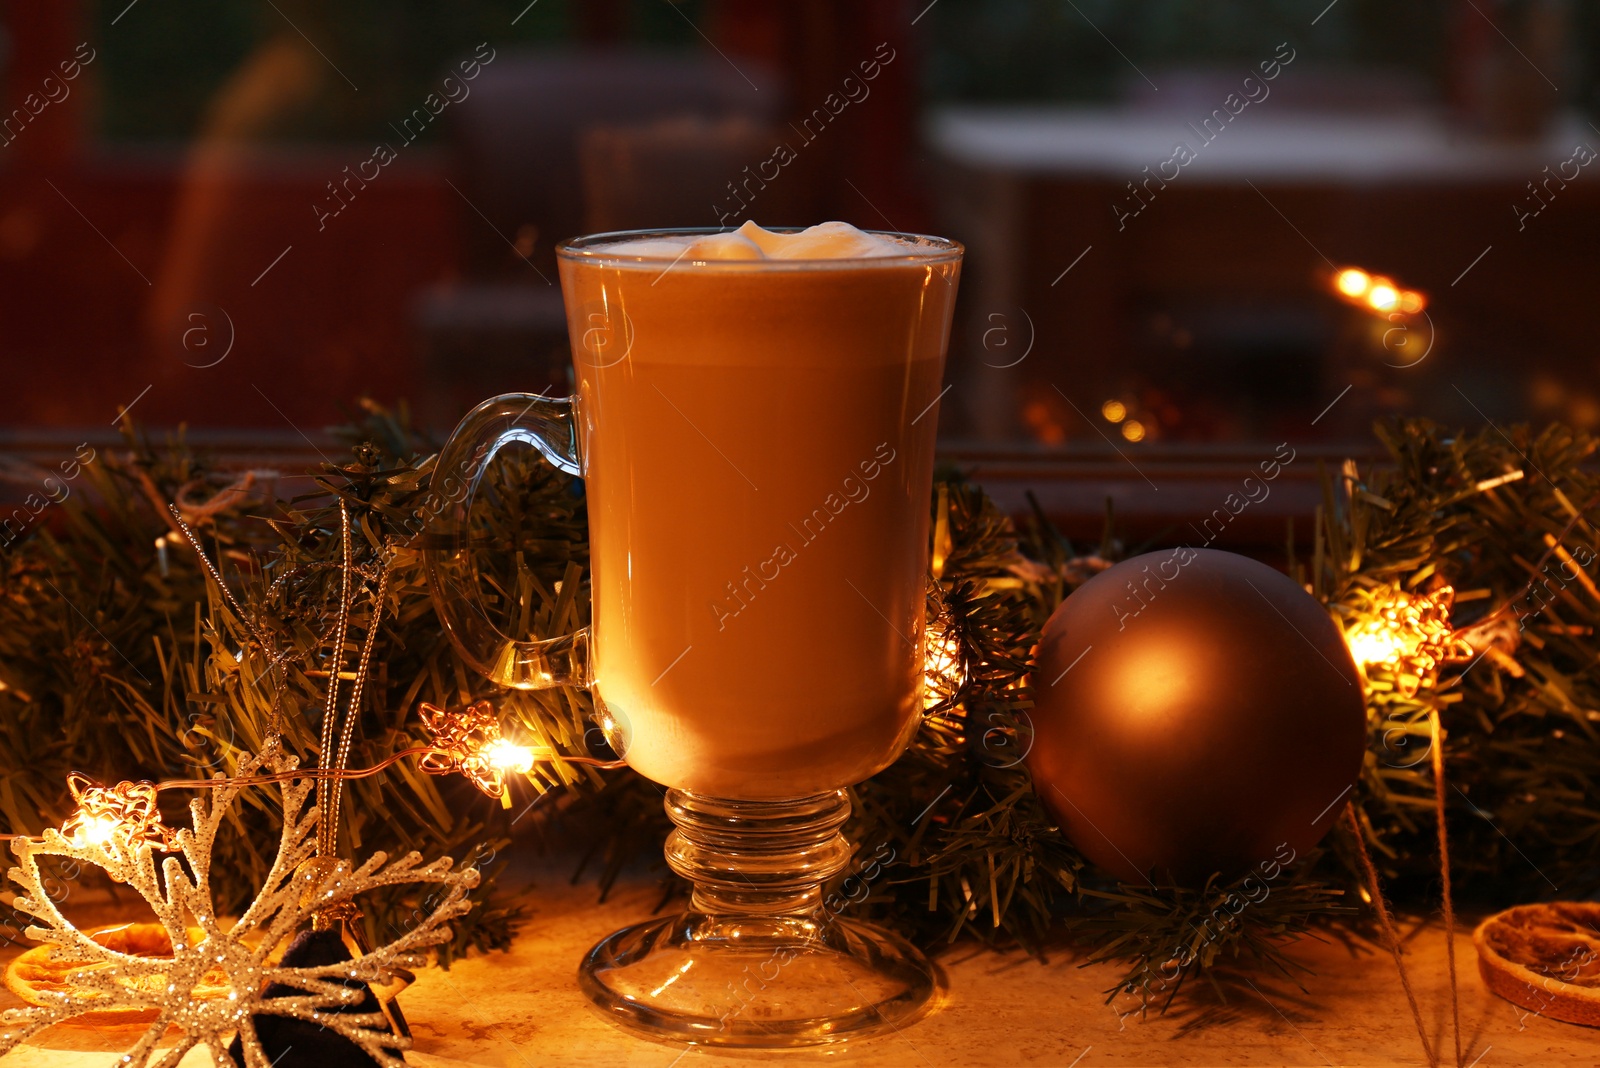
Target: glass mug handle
550	425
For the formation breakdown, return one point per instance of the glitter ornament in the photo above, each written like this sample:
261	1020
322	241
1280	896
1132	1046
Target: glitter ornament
295	1043
327	995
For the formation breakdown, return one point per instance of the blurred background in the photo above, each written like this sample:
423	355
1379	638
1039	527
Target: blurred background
1195	230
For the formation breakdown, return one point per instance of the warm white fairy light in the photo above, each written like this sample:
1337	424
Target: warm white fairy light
94	831
507	756
467	741
120	817
944	670
1407	634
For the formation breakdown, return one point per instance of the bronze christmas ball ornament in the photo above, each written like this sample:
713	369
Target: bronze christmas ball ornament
1196	712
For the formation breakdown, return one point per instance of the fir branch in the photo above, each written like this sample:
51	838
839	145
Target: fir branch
1486	512
981	854
1165	936
150	673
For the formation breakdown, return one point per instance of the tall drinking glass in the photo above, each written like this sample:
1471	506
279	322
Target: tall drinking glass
756	439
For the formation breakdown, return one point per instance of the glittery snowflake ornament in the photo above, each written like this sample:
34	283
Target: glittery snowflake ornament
239	958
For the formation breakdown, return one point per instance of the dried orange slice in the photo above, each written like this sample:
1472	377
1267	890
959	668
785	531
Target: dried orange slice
1545	958
34	974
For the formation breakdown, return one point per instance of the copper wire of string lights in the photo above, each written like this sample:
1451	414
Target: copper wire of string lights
358	773
319	774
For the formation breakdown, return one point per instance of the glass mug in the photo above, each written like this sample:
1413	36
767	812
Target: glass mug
756	440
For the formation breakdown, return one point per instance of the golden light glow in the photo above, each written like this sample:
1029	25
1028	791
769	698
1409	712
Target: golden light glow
1114	411
508	756
1377	293
1407	635
1158	678
467	741
94	831
1383	296
1353	282
1498	481
1133	430
943	671
1376	644
123	816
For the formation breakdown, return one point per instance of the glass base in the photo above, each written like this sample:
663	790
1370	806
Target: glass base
759	960
683	979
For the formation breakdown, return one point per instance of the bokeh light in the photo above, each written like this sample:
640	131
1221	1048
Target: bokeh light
1383	296
1353	282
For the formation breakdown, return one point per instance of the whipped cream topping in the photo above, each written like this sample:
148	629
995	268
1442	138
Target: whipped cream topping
825	241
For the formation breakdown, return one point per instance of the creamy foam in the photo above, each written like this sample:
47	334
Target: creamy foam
825	241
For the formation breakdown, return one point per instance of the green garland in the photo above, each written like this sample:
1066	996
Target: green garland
117	659
1522	719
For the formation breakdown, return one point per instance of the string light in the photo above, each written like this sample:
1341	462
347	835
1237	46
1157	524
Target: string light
944	668
468	741
118	827
125	815
942	673
1408	635
121	817
508	757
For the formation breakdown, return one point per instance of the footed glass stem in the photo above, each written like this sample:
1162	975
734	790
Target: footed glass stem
759	959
